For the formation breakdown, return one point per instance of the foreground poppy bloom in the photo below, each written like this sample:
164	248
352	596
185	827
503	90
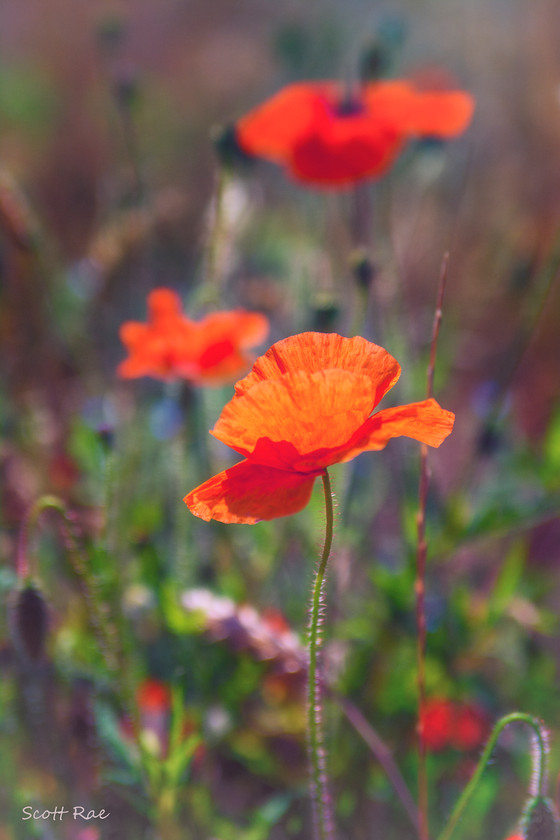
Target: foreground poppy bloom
171	346
326	135
307	404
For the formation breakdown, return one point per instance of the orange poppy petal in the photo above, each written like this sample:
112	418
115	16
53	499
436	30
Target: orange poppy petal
216	367
162	303
248	493
135	367
410	111
441	113
271	129
304	412
245	329
314	351
132	333
424	421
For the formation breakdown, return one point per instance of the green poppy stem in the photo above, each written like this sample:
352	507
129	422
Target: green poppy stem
322	808
539	757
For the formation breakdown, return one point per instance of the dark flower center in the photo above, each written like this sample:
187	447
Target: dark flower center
349	106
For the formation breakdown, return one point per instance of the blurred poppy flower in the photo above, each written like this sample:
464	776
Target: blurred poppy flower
447	724
171	346
307	404
153	697
328	135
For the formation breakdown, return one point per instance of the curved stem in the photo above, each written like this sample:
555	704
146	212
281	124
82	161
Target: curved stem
538	781
23	565
105	633
322	809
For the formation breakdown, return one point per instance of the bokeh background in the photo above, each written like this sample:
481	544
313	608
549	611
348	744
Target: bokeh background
108	176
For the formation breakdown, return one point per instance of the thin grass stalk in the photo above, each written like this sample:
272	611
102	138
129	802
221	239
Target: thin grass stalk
323	822
211	292
381	752
420	582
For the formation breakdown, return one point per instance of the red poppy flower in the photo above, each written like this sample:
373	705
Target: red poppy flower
446	724
470	728
153	697
437	724
307	404
327	136
170	345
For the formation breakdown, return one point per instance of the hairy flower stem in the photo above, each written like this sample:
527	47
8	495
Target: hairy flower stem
420	582
320	798
539	757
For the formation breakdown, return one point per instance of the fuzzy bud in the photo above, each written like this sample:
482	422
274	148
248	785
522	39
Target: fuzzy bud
228	150
363	269
540	821
30	621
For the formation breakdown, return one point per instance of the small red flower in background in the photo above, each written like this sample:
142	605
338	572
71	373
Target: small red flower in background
307	404
447	724
328	136
153	697
171	346
154	701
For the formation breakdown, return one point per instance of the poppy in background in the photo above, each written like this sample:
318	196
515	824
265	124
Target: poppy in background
153	697
171	346
307	404
462	726
329	135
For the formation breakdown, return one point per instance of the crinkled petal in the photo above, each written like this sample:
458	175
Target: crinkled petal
343	150
271	129
440	113
314	351
247	493
424	421
301	412
133	333
134	367
244	329
164	303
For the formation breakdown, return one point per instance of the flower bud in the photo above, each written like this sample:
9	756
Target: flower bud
228	150
540	821
30	621
363	269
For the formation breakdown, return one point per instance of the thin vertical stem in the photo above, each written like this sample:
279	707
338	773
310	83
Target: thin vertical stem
322	808
211	291
420	590
420	583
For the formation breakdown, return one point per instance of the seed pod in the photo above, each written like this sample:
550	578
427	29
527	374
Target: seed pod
540	821
228	150
363	269
30	622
